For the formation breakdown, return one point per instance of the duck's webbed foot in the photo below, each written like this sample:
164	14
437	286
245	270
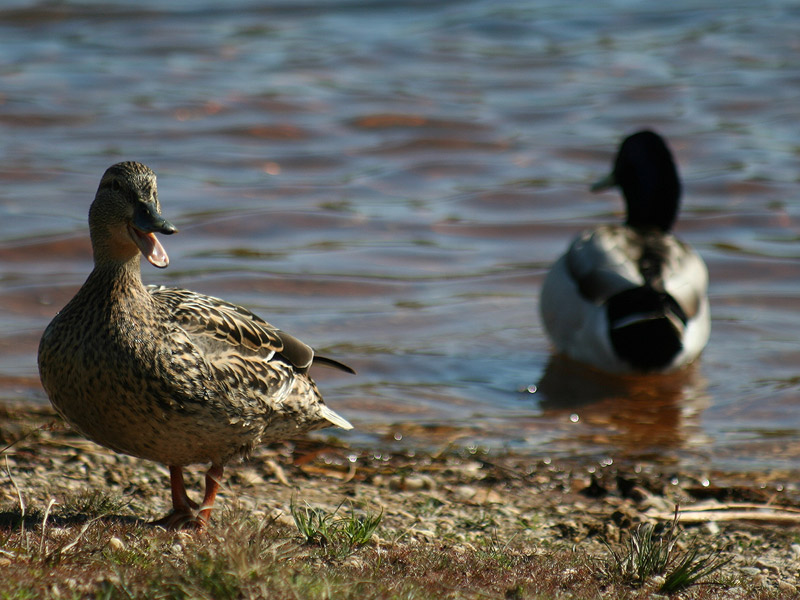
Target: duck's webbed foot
185	513
177	520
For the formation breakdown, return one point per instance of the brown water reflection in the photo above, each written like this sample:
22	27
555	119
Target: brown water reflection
641	416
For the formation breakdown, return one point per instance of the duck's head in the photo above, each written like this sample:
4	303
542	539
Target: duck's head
126	215
646	173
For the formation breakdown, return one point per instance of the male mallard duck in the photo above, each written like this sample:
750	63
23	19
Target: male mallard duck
631	298
167	374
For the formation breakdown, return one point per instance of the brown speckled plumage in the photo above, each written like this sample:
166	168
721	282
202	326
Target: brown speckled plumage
167	374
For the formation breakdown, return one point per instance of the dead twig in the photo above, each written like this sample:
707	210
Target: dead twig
736	512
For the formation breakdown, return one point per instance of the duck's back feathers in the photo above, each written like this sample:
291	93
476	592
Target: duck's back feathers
599	264
626	301
243	347
206	316
611	259
631	297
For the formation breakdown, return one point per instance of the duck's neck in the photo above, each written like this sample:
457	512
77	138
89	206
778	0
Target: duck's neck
652	204
117	283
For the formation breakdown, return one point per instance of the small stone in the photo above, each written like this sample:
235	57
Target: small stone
580	483
768	566
472	467
489	497
113	579
285	519
750	571
657	503
184	537
464	493
414	483
507	511
711	527
249	477
787	586
116	544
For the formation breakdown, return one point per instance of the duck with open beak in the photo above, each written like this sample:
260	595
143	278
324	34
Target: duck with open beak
168	374
147	221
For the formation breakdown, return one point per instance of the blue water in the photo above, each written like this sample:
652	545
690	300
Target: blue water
389	181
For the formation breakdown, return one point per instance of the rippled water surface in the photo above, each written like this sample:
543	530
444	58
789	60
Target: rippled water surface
389	180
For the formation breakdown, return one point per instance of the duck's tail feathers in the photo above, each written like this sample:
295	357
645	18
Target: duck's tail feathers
334	364
646	327
334	417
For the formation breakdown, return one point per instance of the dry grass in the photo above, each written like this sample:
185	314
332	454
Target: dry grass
73	524
244	558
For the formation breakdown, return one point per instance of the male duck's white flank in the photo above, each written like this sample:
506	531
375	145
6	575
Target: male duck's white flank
631	298
167	374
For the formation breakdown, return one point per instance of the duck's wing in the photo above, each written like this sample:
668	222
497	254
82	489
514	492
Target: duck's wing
235	327
600	263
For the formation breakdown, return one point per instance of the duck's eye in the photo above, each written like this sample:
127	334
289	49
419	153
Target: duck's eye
116	185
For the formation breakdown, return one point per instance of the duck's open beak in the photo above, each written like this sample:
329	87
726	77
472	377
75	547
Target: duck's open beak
146	222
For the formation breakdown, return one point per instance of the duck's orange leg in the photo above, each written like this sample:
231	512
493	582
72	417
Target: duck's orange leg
183	507
213	482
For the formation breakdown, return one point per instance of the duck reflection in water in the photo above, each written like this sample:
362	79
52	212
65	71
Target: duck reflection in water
638	414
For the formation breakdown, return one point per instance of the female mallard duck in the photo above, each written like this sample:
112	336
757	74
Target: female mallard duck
167	374
631	298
